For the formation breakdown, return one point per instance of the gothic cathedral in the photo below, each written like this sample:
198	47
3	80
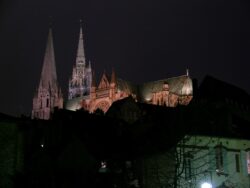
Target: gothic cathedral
84	92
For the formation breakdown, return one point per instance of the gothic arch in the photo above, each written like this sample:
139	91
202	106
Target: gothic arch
103	105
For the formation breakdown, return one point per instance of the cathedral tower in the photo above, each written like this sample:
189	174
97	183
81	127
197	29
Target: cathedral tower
80	82
48	95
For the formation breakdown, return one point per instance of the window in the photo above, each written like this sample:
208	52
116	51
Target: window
237	162
219	158
248	162
47	103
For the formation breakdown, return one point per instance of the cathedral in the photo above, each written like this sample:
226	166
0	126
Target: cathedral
85	92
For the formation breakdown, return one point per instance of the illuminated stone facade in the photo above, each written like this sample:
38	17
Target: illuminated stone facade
48	95
80	83
83	92
167	92
101	96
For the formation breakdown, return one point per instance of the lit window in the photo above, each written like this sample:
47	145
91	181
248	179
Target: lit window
248	162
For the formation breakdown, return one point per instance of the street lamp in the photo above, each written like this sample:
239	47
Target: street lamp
206	185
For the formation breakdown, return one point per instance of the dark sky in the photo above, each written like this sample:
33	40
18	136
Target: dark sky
143	40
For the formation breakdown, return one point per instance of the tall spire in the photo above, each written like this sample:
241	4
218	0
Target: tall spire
48	96
187	72
48	75
80	83
80	58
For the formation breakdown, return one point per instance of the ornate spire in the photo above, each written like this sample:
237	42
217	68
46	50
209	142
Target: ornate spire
81	76
48	76
187	72
80	58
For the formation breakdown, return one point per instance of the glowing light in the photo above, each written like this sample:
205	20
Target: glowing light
103	168
42	145
103	164
206	185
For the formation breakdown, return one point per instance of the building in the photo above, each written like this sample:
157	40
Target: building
48	95
220	161
216	150
85	93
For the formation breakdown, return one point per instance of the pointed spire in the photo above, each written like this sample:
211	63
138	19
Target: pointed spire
47	97
48	76
113	76
80	58
104	83
187	72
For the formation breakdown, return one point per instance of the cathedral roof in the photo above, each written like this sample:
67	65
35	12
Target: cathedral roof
126	86
181	85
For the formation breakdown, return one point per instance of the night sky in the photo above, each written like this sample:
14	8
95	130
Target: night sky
143	40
